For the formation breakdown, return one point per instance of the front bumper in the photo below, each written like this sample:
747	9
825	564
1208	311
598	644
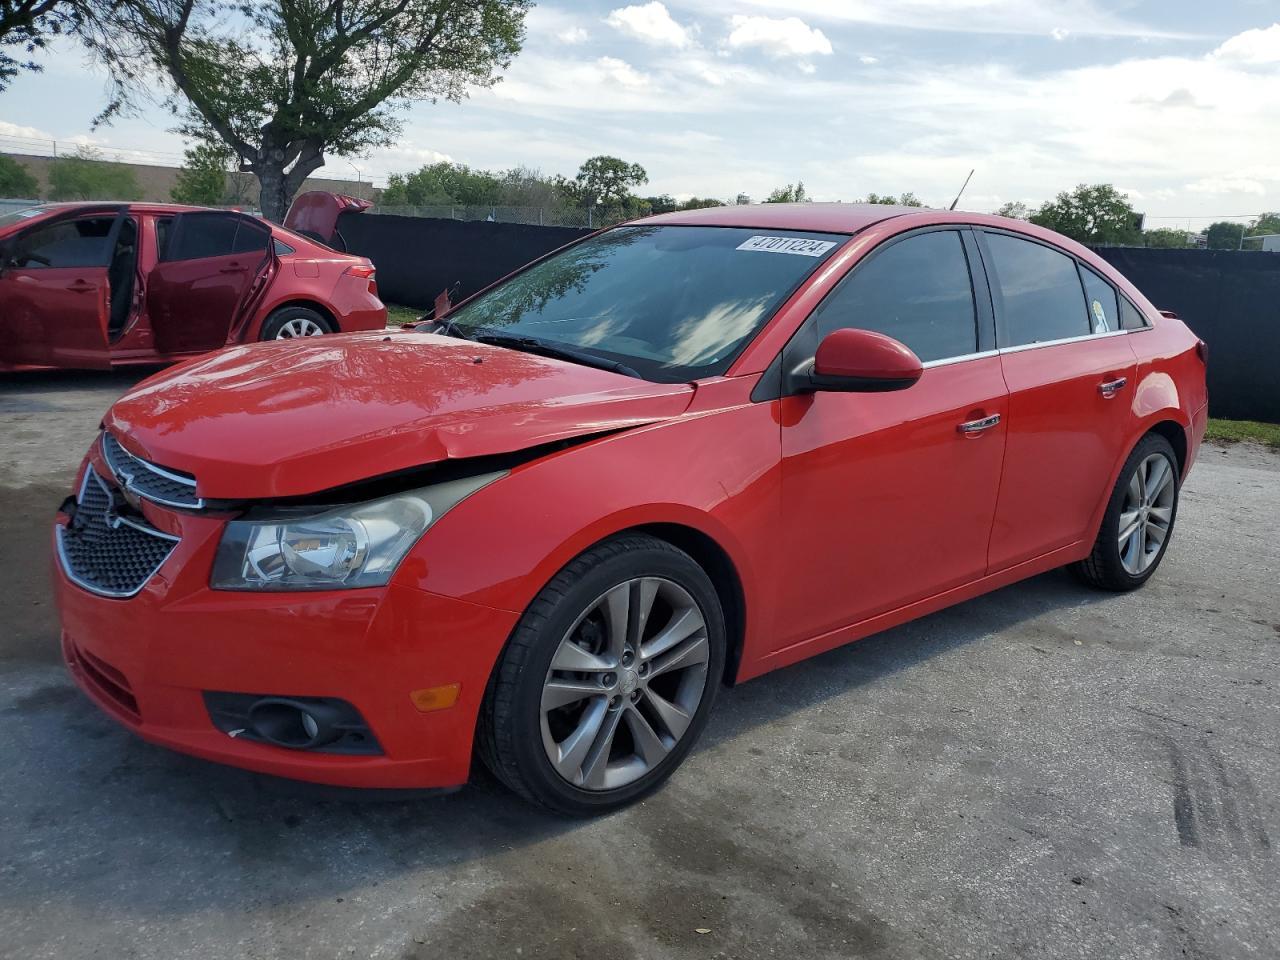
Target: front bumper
147	661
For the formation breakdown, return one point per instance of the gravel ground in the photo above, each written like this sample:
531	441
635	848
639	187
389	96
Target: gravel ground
1044	772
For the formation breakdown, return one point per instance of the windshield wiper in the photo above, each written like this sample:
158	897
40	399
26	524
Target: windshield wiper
448	328
562	351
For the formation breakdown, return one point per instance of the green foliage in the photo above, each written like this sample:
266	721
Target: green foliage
1094	214
444	182
791	193
1014	209
202	180
700	203
1265	224
1233	431
27	26
604	181
87	176
1224	235
15	181
904	200
1166	238
664	203
284	83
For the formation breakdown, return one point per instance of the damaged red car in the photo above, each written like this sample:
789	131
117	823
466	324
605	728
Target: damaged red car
97	285
675	455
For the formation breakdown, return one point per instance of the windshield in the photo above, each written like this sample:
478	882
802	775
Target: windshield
17	216
674	303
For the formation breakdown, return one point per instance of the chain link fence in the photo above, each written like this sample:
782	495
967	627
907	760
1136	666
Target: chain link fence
555	216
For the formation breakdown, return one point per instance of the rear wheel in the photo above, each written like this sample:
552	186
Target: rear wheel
608	679
289	322
1138	524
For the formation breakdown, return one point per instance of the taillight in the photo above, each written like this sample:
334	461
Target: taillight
1202	351
364	271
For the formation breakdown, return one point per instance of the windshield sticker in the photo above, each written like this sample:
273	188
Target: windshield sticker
796	245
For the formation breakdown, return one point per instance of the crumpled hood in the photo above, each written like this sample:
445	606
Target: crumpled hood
296	417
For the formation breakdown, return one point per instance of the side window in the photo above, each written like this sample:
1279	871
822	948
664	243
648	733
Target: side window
281	247
201	236
164	226
917	291
1131	317
1039	291
1104	310
70	243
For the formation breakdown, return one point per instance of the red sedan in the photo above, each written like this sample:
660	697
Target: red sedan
97	285
679	453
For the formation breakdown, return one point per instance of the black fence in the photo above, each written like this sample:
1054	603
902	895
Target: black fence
419	258
1231	300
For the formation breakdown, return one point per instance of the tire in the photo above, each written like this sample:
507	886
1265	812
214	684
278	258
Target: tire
1126	564
645	675
299	320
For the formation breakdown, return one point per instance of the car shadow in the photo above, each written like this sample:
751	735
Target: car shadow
75	774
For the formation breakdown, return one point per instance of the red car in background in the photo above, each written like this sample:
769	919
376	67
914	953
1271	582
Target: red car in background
96	285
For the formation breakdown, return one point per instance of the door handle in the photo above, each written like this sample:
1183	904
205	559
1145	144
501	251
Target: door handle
232	268
1111	387
978	426
81	286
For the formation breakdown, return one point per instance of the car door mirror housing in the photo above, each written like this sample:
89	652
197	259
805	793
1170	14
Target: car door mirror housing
857	361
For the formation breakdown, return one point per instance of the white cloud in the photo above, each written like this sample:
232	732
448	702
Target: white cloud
1059	33
1252	47
786	37
573	35
868	61
622	73
652	23
1077	17
14	130
1219	186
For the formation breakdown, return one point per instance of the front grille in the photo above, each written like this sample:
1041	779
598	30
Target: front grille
158	484
104	551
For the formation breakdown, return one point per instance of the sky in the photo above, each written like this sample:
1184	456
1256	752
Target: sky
1176	102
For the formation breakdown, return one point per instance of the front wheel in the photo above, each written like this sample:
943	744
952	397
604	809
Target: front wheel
289	322
607	680
1138	524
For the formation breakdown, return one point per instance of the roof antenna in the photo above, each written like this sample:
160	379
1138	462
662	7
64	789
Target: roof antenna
961	193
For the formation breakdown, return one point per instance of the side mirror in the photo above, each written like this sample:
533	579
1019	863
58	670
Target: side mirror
858	361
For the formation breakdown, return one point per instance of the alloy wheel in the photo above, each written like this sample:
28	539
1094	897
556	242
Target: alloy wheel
624	684
299	327
1147	513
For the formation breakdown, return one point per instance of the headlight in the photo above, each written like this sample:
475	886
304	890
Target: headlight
353	546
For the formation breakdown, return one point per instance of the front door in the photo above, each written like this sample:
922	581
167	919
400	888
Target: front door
207	269
55	297
888	498
1070	370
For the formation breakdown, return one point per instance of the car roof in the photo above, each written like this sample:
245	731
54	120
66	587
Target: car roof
133	206
822	217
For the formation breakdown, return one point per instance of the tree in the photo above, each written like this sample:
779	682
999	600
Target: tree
27	26
202	180
15	181
87	176
1014	209
905	200
791	193
1166	238
1224	235
604	181
700	203
1091	214
1266	223
285	83
664	203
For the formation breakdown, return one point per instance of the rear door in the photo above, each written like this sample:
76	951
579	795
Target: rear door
208	269
55	298
1070	371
